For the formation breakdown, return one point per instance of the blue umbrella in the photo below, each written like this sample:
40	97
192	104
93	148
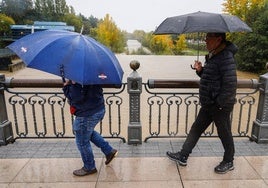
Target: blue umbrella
71	55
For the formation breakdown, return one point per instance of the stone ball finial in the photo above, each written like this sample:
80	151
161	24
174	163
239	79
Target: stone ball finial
134	65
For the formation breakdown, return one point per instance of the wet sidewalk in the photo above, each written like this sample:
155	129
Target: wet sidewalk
50	163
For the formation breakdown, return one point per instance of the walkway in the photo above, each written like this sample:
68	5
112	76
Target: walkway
50	162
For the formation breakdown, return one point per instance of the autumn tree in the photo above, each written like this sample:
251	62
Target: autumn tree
161	45
110	35
241	8
180	45
5	23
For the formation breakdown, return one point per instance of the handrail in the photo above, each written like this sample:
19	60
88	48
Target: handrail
194	83
42	83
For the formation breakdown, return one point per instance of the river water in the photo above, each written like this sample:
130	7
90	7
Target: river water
151	66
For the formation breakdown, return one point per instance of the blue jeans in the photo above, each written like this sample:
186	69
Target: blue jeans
84	133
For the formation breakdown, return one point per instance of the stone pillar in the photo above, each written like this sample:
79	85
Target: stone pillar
6	133
259	132
134	87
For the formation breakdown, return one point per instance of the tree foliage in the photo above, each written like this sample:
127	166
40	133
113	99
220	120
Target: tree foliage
161	44
73	20
241	8
253	53
5	23
180	45
28	11
51	10
110	35
17	9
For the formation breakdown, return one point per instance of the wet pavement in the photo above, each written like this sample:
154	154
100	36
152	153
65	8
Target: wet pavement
50	163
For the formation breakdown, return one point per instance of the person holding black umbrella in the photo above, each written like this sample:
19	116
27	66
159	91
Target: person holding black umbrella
87	105
217	93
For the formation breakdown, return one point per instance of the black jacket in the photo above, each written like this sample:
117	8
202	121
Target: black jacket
218	81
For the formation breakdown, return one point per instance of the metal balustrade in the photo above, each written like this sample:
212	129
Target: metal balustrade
174	106
38	109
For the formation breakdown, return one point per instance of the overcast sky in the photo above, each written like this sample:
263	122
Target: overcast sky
130	15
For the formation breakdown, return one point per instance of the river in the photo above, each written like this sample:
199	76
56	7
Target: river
151	67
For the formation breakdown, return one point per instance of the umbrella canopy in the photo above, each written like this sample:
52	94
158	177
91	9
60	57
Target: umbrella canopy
201	22
69	54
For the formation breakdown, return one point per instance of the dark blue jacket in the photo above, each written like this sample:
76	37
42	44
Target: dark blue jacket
218	81
86	99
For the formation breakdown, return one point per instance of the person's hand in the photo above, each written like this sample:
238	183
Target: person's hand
197	66
66	82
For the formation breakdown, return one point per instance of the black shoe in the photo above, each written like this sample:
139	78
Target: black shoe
182	160
84	172
224	167
111	156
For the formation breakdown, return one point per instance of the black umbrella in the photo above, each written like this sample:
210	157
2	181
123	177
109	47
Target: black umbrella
202	22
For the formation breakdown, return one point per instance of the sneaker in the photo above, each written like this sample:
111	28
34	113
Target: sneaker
83	172
111	156
224	167
182	160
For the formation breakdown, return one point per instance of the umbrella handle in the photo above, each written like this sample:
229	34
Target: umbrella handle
63	79
62	73
192	67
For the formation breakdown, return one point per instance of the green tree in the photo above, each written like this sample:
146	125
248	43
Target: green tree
88	24
17	9
61	8
139	35
252	55
51	10
73	20
253	51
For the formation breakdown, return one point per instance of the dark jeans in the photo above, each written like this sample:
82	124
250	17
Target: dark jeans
222	121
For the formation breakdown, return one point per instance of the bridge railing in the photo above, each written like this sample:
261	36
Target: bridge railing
135	111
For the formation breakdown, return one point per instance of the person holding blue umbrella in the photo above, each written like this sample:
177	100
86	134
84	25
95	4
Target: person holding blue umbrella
87	105
89	64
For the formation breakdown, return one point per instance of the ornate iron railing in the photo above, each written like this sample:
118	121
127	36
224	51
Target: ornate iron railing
39	112
172	111
38	109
